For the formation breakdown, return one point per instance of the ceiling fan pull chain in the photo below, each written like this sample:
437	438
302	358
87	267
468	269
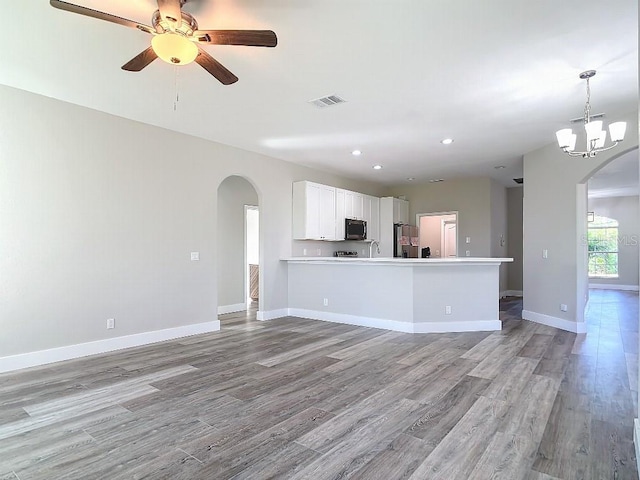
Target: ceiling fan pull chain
175	85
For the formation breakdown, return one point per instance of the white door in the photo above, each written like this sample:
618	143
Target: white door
450	248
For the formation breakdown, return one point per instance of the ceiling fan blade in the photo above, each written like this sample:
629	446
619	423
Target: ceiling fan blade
170	10
140	61
89	12
250	38
215	68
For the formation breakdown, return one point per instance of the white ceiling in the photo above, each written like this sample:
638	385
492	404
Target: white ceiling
498	76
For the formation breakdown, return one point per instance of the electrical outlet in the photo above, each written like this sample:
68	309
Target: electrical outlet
468	253
304	252
545	253
563	307
111	323
195	256
447	310
319	252
325	302
468	240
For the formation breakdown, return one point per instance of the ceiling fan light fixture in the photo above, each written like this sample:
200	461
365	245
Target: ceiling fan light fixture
174	49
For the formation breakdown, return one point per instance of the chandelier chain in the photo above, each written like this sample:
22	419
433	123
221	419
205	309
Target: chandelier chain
587	106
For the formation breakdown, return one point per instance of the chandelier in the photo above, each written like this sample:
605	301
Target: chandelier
596	136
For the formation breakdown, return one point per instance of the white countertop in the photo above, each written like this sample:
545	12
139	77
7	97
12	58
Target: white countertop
400	261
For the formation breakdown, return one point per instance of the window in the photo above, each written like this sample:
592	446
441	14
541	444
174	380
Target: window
602	236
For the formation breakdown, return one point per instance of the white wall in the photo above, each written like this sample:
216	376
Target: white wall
98	216
625	211
233	194
431	234
553	188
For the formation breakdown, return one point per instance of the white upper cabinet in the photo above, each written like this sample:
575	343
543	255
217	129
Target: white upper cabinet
354	205
400	211
371	213
314	211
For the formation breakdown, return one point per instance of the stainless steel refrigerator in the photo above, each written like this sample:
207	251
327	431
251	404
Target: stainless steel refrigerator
405	241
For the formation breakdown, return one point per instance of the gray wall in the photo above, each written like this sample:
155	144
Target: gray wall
625	211
499	228
99	215
233	194
514	238
471	197
554	214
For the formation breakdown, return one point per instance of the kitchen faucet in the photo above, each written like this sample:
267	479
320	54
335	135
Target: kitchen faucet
371	248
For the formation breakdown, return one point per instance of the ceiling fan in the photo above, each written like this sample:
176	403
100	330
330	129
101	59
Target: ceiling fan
177	39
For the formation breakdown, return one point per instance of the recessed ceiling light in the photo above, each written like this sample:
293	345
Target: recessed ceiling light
447	141
410	179
499	167
377	167
436	180
356	153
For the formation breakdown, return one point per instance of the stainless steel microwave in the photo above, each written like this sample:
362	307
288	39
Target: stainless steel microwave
355	229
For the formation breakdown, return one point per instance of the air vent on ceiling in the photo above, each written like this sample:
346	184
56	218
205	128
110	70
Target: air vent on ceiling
327	101
519	181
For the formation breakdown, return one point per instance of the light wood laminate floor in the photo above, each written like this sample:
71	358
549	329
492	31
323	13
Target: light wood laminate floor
302	399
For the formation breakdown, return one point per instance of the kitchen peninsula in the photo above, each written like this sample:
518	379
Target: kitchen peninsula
406	295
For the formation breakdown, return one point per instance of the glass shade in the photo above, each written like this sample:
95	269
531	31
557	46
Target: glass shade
174	49
594	130
564	137
572	142
601	139
617	131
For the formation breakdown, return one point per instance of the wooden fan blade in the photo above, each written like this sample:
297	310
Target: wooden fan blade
89	12
215	68
140	61
170	10
250	38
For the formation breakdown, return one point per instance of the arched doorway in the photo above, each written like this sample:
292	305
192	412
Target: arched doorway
237	245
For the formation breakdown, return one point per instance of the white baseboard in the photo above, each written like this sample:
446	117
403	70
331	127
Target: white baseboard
511	293
555	322
238	307
636	439
43	357
468	326
394	325
613	286
263	315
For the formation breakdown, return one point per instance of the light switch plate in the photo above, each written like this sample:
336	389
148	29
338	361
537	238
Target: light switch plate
195	256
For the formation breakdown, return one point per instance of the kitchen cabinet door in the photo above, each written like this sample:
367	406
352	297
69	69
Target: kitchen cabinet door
354	203
400	211
341	213
314	211
372	216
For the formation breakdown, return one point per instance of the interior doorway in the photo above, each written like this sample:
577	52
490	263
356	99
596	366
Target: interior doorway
252	254
438	232
237	244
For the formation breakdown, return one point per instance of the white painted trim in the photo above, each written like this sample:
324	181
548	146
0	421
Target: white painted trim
636	439
468	326
613	286
555	322
511	293
238	307
395	325
406	327
42	357
263	315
